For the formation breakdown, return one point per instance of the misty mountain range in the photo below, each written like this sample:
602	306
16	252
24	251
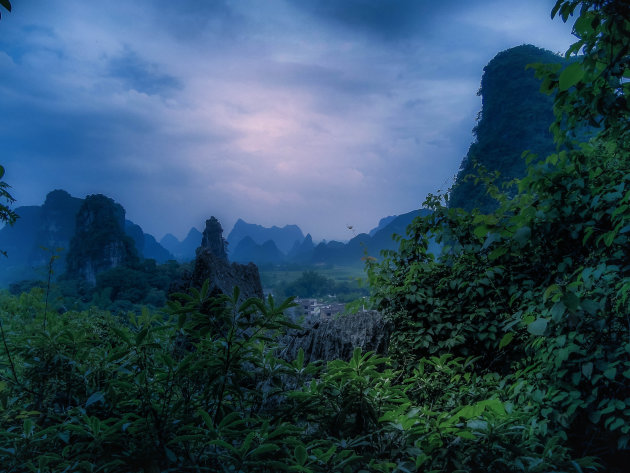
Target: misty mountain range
47	230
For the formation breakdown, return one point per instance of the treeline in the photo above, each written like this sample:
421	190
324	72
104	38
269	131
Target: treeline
119	290
312	284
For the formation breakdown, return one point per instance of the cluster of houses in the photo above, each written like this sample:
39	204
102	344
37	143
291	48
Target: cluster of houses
316	309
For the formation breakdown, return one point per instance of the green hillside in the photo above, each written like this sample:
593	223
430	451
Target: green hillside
515	117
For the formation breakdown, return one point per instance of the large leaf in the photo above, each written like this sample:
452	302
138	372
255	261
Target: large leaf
570	76
94	398
523	235
538	327
507	338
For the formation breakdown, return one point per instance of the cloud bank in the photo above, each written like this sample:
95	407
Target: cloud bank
318	113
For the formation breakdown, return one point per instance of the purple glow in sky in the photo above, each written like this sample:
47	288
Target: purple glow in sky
321	113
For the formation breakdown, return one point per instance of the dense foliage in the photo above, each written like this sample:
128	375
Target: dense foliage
537	291
199	388
7	216
118	290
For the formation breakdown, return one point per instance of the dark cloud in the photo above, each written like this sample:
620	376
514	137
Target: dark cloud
326	79
141	75
382	18
191	19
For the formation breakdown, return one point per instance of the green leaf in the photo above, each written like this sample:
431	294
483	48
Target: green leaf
557	311
583	25
523	235
480	231
571	301
300	454
170	454
538	327
494	405
617	423
490	239
264	448
28	427
610	373
94	398
570	76
497	253
6	4
141	335
587	369
507	338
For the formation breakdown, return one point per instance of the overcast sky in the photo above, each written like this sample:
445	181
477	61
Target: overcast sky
320	113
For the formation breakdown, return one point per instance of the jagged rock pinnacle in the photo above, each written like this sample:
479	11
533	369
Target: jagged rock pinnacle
213	238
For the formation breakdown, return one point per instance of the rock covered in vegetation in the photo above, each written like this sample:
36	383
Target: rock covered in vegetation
46	230
336	338
211	263
224	276
100	242
515	117
212	238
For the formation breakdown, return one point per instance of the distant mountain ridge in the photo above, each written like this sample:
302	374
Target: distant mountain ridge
182	250
284	238
382	223
305	252
353	252
53	225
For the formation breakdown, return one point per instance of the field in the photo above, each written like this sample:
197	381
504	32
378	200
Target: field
273	277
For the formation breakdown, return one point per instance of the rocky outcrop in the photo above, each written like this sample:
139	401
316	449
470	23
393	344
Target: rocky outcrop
515	117
336	338
211	263
47	230
223	276
212	238
100	242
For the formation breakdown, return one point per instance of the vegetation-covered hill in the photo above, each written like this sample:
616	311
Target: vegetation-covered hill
515	117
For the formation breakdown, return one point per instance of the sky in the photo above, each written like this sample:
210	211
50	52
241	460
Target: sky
321	113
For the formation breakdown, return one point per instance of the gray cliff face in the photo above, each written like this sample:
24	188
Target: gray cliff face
211	263
336	338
